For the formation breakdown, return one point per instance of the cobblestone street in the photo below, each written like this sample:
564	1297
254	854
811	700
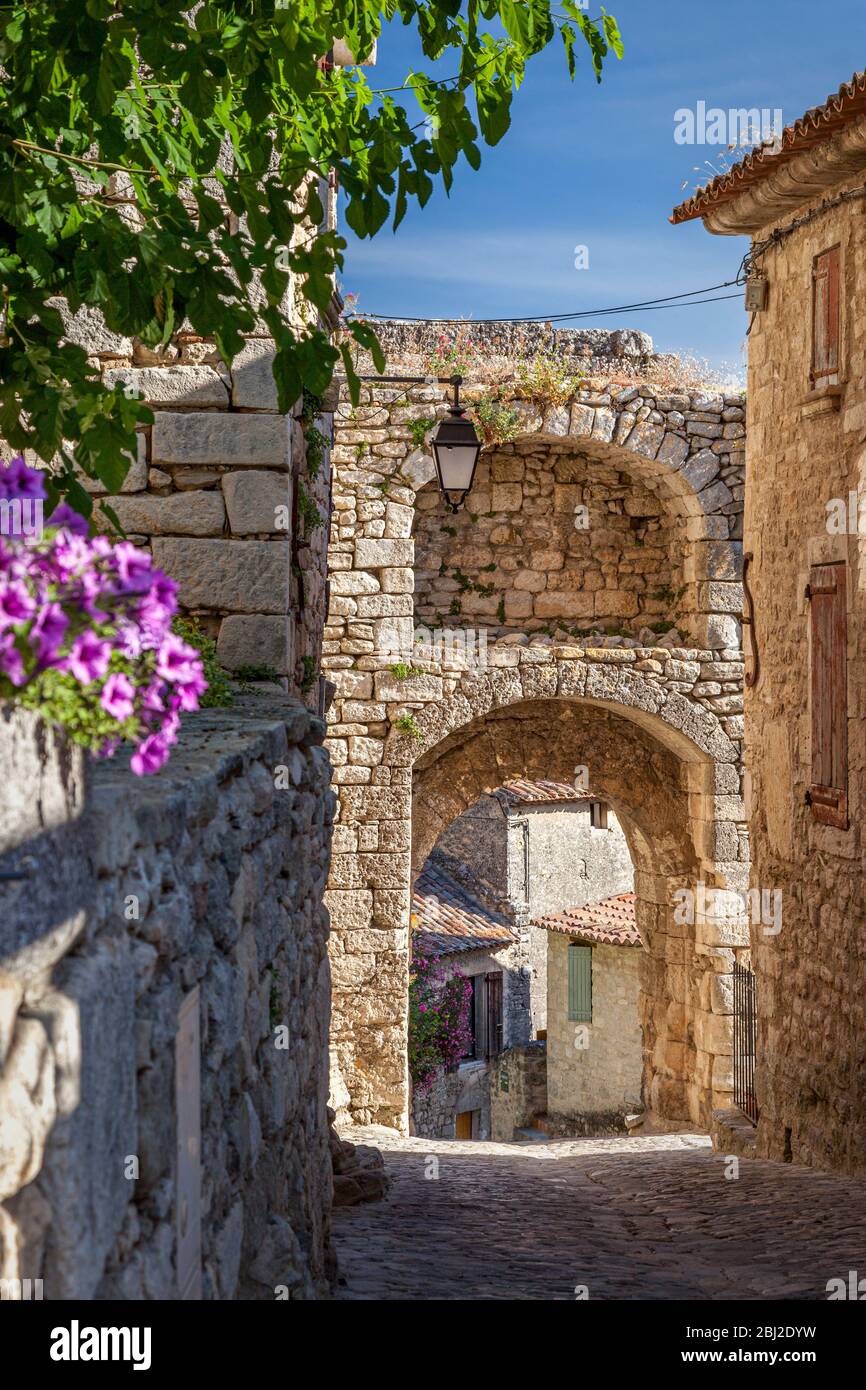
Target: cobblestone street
631	1218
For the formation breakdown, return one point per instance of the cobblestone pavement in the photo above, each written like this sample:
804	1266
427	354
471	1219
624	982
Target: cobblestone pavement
630	1218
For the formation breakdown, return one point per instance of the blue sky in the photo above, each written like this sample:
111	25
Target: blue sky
597	166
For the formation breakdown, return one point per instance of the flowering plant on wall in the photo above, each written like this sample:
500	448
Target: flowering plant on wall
85	633
455	354
439	1027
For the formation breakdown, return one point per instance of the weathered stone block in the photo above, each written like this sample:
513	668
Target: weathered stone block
179	514
253	385
228	576
378	554
253	500
176	385
247	640
235	440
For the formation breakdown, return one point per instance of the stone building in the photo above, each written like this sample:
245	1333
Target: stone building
532	847
802	203
484	901
569	647
593	1022
468	938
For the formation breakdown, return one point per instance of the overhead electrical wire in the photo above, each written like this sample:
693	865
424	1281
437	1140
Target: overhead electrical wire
669	301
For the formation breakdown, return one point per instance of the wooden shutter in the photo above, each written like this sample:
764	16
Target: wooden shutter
825	316
579	983
828	694
494	1013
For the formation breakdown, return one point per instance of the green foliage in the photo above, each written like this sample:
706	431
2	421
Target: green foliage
219	693
407	724
546	381
112	119
245	674
418	429
308	512
316	443
497	423
500	611
61	700
402	672
311	674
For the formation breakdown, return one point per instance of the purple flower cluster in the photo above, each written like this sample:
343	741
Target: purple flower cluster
98	614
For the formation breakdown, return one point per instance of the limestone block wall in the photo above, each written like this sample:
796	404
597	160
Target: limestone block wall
604	1077
805	449
232	497
164	991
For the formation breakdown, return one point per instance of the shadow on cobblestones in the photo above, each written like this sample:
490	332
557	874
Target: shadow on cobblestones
631	1218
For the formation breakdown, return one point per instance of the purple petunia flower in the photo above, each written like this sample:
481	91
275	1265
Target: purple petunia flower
134	568
70	520
11	662
89	657
48	632
149	756
16	604
117	696
17	480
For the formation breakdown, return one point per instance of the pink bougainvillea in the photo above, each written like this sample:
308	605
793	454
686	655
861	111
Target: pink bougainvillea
440	1033
85	632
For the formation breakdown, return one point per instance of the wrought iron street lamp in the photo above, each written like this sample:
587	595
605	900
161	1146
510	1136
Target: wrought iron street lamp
455	447
454	443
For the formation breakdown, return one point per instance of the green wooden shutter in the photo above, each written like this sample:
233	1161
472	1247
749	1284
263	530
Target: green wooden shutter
579	983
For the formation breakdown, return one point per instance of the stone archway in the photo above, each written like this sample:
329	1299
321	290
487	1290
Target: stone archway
395	718
668	769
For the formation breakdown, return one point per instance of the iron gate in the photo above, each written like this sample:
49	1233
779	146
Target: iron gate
745	1032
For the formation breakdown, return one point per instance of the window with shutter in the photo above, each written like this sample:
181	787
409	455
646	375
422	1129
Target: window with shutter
825	318
494	1013
579	983
828	694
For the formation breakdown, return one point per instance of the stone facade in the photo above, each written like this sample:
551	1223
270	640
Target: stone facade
528	858
806	448
594	1074
659	726
164	991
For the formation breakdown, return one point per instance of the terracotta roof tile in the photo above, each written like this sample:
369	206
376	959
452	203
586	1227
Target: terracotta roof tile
520	791
610	922
449	919
840	109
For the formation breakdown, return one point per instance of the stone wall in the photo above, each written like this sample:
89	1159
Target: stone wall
602	1078
518	1090
217	492
805	449
417	733
164	991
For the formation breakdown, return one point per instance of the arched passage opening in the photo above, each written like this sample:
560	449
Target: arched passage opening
653	779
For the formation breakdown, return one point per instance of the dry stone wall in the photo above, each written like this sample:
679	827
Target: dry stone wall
164	991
